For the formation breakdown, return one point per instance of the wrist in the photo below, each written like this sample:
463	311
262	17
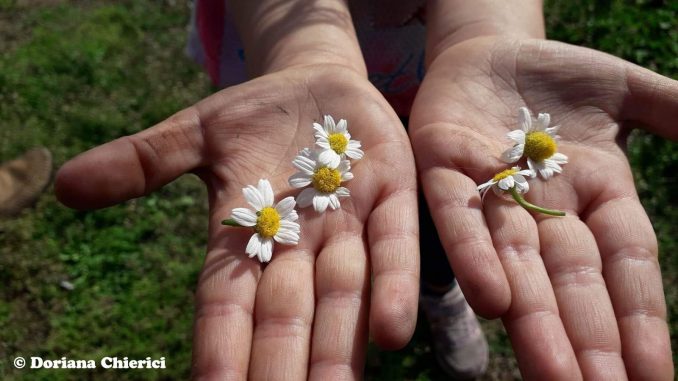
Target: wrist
278	35
450	22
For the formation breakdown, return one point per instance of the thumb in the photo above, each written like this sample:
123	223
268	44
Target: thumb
652	100
132	166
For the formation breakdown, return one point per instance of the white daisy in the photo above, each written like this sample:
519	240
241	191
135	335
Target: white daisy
325	178
507	179
270	221
335	141
538	142
513	181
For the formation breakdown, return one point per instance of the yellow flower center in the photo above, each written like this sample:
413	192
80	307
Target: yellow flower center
326	180
504	174
268	222
338	142
539	146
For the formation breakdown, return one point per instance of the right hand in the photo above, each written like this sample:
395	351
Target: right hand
305	314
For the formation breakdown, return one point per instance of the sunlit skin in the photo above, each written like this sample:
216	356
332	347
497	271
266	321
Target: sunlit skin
575	293
313	301
585	297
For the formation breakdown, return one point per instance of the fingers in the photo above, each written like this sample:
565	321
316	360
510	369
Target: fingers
533	321
225	295
340	326
586	77
394	252
456	210
134	165
629	252
283	317
651	99
573	263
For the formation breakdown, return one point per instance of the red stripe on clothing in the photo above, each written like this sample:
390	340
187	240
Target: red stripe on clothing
210	17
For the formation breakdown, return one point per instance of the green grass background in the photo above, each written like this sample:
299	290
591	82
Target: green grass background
77	74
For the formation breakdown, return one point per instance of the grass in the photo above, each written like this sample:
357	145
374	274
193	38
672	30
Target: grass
77	74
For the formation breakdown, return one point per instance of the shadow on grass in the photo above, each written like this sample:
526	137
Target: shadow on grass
417	360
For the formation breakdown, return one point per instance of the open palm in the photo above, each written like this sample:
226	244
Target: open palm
306	312
580	295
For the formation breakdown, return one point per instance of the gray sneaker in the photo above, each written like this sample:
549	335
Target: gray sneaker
458	341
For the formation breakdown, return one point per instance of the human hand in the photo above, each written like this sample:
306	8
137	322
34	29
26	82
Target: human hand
305	314
581	295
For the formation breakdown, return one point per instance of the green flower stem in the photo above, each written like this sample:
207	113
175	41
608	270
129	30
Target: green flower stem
520	200
230	222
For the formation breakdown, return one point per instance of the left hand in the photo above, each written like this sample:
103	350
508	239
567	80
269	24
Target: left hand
581	296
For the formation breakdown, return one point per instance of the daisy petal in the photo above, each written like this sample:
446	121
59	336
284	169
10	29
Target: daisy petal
513	154
334	202
552	131
559	158
285	206
306	152
344	166
522	187
288	233
320	202
555	167
292	216
506	183
299	180
323	144
330	127
342	126
342	192
266	251
287	237
253	197
304	163
329	158
266	191
354	153
253	246
244	216
483	187
305	198
521	183
526	172
546	173
517	136
524	119
290	225
346	176
320	130
543	121
483	193
532	165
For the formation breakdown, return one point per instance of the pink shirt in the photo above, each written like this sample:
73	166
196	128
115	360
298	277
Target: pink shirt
391	35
